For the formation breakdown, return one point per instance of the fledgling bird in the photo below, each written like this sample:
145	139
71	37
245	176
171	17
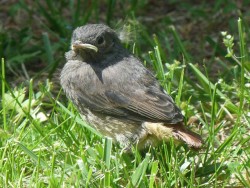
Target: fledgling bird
117	95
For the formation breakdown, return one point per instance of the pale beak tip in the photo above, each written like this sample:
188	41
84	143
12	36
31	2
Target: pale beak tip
78	45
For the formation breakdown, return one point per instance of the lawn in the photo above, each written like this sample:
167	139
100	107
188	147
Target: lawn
198	51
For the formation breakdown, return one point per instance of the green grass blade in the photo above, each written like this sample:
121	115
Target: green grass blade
89	177
32	155
140	171
154	171
48	49
180	86
178	41
107	159
159	67
207	85
111	5
243	61
107	151
3	94
79	120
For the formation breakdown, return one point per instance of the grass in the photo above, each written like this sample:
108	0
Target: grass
45	143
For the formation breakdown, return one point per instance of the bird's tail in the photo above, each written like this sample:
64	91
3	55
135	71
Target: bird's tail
192	139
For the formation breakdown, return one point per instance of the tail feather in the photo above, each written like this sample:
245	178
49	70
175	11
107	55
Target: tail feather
192	139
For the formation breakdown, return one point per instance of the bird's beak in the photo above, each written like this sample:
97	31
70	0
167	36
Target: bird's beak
79	45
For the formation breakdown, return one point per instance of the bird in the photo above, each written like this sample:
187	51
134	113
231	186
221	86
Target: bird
117	95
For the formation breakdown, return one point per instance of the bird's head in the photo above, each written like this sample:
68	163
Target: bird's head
94	41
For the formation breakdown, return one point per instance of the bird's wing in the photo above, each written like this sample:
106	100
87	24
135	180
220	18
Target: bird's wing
147	105
140	105
133	94
98	102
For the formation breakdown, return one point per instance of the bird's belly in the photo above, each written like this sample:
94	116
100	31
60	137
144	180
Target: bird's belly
121	130
128	133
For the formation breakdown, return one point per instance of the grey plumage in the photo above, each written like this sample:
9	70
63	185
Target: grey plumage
116	93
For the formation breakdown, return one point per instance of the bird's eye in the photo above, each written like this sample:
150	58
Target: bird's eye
100	40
